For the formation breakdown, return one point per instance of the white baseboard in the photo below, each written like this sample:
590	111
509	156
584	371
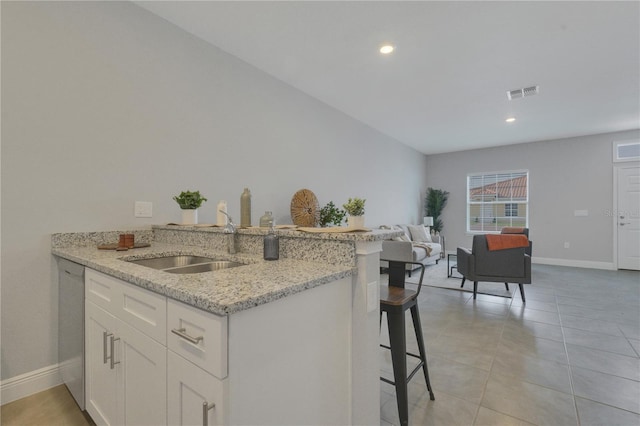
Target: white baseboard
29	383
573	263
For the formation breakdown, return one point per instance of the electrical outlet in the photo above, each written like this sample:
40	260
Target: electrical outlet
143	209
566	244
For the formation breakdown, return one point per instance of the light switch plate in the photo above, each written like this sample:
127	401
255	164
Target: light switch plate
143	209
373	300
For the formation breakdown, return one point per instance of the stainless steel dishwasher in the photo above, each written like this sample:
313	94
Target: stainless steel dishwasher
71	327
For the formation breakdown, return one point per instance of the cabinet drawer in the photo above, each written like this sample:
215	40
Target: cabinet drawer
143	309
199	336
102	289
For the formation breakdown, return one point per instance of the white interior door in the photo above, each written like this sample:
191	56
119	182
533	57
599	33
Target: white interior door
628	218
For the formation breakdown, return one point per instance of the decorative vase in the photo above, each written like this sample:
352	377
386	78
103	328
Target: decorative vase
189	216
245	209
355	222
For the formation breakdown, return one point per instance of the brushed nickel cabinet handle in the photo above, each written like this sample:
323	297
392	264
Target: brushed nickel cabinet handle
113	340
182	333
105	334
205	412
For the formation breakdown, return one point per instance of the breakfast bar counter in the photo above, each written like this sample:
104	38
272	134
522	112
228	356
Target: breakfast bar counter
294	340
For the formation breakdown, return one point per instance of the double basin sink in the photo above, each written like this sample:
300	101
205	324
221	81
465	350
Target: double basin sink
183	264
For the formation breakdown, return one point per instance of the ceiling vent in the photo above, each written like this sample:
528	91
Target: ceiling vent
521	93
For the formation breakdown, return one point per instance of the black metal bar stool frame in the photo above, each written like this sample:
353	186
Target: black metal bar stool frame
395	301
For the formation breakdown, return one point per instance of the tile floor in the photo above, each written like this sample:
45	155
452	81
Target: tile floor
569	356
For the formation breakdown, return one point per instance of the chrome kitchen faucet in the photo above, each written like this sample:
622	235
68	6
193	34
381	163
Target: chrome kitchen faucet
231	230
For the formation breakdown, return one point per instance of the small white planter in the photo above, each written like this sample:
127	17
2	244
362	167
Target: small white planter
189	216
355	222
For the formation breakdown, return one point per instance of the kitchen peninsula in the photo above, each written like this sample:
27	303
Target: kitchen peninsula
296	340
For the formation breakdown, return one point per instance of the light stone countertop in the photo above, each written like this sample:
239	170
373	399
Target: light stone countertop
222	292
357	236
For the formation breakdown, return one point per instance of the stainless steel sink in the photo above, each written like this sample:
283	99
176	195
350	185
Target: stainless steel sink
204	267
183	264
171	261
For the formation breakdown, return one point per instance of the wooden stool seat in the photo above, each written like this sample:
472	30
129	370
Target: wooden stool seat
396	300
396	296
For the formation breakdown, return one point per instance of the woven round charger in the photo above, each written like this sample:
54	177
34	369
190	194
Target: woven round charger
305	210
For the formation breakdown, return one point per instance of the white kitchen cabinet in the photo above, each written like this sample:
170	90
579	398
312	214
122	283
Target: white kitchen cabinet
283	362
143	387
190	391
126	369
100	380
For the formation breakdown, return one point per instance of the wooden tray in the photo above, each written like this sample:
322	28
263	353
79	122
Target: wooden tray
114	246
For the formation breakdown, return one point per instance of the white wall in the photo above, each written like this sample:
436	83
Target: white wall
104	104
564	175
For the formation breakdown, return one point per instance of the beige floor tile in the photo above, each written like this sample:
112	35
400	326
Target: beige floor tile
535	329
453	378
590	324
533	346
595	414
604	342
524	313
606	389
54	406
535	404
487	417
446	410
604	362
531	369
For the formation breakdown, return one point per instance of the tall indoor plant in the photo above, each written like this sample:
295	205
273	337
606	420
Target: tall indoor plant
434	203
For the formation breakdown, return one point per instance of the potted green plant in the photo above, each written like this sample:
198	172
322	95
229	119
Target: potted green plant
355	208
189	202
434	203
331	215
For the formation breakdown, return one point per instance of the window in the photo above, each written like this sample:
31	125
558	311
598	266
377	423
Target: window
496	200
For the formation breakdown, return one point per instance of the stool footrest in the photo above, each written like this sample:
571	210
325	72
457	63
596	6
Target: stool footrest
415	370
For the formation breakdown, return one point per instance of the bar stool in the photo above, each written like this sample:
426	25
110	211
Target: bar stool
395	300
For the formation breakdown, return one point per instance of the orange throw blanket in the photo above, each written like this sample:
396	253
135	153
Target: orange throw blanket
506	241
512	230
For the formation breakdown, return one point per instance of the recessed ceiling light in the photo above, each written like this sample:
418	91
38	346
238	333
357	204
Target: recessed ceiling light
510	119
386	49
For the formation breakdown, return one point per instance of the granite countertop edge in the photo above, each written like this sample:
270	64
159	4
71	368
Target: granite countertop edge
222	292
370	236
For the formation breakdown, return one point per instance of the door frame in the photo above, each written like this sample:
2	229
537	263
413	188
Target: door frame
613	212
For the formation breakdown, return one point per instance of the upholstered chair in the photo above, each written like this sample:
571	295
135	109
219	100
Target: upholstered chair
510	265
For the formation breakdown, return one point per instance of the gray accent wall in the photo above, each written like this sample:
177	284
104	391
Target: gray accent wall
564	175
105	104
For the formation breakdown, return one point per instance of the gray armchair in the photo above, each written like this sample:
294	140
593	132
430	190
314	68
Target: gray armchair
507	266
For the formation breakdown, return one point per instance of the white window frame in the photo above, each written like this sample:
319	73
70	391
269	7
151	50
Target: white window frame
489	204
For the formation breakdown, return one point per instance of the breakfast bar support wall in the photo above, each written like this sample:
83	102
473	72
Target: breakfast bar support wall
365	343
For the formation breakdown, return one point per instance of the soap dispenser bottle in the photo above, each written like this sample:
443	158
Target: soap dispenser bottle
271	245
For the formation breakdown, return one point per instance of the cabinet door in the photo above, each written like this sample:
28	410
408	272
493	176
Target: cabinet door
101	380
188	388
143	365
